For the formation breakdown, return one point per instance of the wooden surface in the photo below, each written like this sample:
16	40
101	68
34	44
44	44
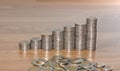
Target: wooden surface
22	23
11	59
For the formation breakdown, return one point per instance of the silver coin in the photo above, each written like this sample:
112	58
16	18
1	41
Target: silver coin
68	38
80	36
92	69
58	40
24	45
35	43
107	68
38	62
91	33
71	67
35	69
57	58
88	64
47	41
78	60
100	65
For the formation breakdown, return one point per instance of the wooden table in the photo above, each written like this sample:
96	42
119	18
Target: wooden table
11	59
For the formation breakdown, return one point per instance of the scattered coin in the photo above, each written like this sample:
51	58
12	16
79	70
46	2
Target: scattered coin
67	64
39	62
100	65
107	68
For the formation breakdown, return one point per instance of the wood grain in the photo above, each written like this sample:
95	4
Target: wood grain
11	59
23	23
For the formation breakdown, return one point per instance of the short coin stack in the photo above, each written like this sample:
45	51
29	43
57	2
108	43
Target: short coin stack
78	37
60	63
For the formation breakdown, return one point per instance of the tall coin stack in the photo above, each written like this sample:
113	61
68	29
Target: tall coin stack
68	38
80	36
58	39
35	43
91	33
46	41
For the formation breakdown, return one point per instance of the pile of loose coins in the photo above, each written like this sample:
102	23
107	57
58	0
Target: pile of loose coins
60	63
78	37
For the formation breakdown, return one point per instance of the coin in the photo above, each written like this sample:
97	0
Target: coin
107	68
91	33
100	65
35	43
58	69
58	39
35	69
78	60
68	38
80	36
24	45
71	67
46	41
88	64
39	62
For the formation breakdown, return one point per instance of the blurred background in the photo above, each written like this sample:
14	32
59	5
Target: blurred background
24	19
39	16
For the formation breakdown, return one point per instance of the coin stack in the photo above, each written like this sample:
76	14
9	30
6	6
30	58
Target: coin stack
91	33
68	38
24	45
47	41
80	36
60	63
35	43
58	39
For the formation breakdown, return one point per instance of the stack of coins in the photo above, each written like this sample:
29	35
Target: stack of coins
46	41
91	33
35	43
60	63
58	40
80	36
24	45
68	38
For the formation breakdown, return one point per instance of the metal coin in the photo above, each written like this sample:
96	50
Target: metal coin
24	45
107	68
101	65
58	69
57	58
71	67
39	62
35	43
46	41
68	38
80	36
35	69
78	60
58	40
91	33
88	64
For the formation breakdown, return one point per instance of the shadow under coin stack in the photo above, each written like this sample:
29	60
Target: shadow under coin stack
78	37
